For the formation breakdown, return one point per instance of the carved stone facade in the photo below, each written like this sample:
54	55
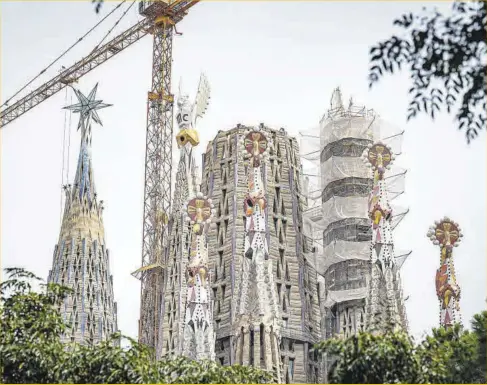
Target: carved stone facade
385	305
277	328
447	234
187	326
178	257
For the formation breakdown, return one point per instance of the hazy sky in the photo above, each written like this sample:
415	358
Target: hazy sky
273	62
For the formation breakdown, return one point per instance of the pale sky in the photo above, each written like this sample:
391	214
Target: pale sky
271	62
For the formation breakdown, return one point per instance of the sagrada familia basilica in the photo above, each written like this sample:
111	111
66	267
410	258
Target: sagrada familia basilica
274	244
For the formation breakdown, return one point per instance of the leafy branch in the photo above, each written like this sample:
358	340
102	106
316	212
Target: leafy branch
446	58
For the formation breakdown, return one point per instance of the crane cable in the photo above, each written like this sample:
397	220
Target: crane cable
111	29
65	161
69	136
64	53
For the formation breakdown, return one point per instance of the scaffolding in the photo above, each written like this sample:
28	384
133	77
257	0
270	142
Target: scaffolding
336	223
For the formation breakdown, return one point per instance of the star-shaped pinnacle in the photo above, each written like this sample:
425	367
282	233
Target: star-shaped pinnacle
87	107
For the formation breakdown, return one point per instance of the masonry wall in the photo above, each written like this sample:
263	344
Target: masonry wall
224	180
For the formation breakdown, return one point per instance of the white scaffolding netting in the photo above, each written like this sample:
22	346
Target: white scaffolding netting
310	144
401	256
324	161
342	250
358	122
337	208
337	168
334	296
339	251
321	173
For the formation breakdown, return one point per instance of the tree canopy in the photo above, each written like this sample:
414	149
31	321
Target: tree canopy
31	350
451	355
446	57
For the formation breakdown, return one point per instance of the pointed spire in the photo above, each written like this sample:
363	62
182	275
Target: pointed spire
336	99
90	309
350	103
384	306
87	107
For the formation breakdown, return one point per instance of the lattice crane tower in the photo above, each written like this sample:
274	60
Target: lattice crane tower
447	234
160	19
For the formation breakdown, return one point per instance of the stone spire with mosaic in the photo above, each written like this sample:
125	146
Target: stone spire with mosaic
447	234
81	259
385	306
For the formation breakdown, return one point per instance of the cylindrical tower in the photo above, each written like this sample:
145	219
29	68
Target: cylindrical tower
266	309
385	307
345	186
447	234
337	222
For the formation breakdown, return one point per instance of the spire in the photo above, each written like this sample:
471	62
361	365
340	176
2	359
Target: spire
385	305
447	234
189	248
87	106
80	258
336	99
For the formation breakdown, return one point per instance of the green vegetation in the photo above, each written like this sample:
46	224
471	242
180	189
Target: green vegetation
446	60
31	350
452	355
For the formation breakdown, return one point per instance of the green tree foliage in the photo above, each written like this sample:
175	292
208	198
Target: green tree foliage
31	350
479	327
446	58
452	355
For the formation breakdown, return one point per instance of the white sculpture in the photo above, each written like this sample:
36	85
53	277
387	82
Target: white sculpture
188	113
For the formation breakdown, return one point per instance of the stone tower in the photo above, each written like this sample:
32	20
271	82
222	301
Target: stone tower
447	234
345	180
187	321
337	221
266	311
385	306
81	259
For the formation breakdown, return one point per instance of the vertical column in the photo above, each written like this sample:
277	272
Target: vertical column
383	305
199	338
257	300
447	234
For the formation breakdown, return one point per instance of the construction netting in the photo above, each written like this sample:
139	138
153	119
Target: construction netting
334	296
328	168
358	122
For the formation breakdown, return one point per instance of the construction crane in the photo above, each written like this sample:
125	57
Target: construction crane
160	19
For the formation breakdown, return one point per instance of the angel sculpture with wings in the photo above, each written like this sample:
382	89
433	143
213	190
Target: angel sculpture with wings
188	113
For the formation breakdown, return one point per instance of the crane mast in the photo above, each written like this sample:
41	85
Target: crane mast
161	17
158	171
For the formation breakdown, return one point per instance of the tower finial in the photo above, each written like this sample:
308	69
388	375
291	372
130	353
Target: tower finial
447	234
188	113
87	107
336	99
